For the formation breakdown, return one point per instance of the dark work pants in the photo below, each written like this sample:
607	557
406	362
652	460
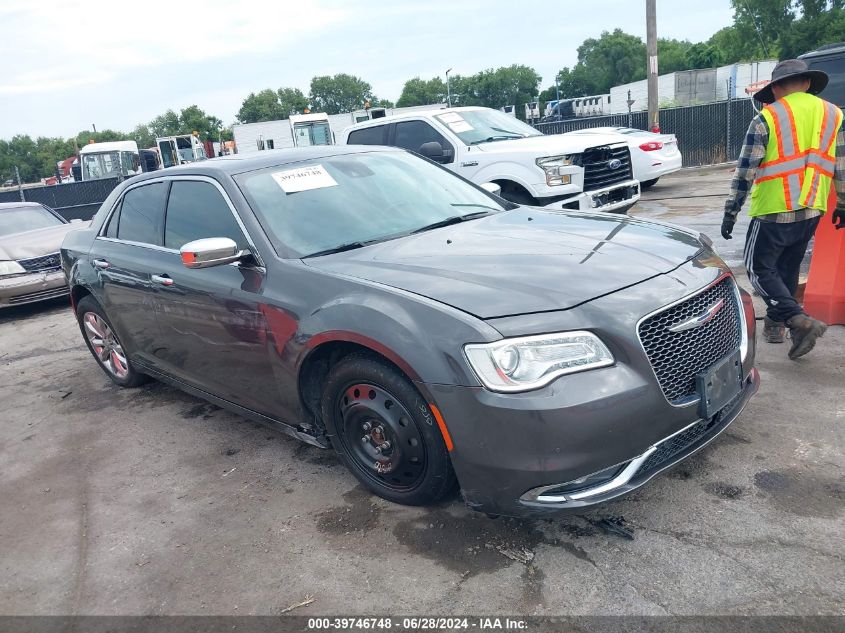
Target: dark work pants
773	255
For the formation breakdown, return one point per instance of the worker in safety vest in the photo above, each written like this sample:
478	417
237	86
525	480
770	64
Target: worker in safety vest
794	152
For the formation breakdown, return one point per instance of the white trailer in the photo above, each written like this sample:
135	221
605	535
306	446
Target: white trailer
307	129
300	130
737	76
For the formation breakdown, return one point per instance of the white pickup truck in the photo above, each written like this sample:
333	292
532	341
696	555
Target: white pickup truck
487	146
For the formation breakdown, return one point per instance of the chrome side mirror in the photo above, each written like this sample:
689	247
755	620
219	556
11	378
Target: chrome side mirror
492	187
210	251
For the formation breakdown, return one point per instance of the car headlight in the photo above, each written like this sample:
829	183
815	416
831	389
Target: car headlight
552	166
10	268
530	362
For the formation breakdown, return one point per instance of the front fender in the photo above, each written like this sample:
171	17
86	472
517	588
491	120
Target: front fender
426	342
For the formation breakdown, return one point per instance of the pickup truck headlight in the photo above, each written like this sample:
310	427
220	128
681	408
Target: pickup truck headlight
531	362
552	166
10	268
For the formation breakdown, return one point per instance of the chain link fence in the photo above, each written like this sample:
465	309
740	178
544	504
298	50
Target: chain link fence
707	134
72	200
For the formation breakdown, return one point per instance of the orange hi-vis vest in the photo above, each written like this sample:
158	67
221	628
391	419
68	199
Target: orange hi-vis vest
797	170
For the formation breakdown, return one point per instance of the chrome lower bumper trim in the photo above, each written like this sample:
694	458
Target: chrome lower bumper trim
538	494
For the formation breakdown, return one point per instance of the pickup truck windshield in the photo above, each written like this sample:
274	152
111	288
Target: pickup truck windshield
485	126
348	201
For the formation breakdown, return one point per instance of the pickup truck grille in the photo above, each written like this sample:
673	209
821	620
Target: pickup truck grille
597	171
43	263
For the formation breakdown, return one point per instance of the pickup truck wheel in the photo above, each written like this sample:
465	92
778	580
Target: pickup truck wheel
385	433
106	348
517	195
645	184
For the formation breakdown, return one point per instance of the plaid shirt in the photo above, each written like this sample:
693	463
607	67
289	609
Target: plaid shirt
753	151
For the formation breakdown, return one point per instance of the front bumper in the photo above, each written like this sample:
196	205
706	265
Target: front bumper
610	199
512	451
31	287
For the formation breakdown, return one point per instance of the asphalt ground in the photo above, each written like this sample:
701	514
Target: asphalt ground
150	501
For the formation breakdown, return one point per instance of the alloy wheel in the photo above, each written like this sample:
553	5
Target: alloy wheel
106	346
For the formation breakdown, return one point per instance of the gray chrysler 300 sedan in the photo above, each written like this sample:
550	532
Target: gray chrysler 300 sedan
428	331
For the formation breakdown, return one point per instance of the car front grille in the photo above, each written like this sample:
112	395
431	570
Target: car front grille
677	357
41	295
41	264
669	449
597	166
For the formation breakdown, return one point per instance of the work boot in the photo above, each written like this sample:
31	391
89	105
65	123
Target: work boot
804	330
773	331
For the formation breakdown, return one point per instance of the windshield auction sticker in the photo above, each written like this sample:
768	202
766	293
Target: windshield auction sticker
304	179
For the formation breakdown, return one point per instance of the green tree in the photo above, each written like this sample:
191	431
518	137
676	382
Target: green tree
291	101
614	58
510	85
261	106
672	55
820	22
729	44
418	91
703	55
339	93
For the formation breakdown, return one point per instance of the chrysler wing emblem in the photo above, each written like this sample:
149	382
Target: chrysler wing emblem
699	320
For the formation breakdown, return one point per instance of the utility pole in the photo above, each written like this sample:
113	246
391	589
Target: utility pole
448	90
651	50
20	186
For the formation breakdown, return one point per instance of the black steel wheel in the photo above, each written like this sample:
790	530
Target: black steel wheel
385	433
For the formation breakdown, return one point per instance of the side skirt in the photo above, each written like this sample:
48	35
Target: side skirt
294	431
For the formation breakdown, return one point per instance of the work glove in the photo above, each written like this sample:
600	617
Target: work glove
728	226
838	218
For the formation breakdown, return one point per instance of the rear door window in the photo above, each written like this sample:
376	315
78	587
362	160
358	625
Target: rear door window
374	135
142	214
197	210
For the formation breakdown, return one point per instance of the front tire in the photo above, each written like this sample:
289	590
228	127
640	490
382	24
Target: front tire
106	348
645	184
385	433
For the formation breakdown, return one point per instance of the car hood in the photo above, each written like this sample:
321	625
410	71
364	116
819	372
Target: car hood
38	242
520	261
551	144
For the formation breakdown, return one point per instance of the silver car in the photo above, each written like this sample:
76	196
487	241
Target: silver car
30	237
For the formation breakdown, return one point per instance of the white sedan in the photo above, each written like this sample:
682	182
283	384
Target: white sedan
652	155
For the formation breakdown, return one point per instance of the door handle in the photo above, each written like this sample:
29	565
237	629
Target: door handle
102	264
163	280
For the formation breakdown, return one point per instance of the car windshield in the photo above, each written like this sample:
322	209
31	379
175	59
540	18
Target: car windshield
350	200
20	219
485	126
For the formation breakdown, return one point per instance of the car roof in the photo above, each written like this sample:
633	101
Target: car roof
240	163
18	205
821	51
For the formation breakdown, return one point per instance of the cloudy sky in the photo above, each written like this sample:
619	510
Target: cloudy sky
68	64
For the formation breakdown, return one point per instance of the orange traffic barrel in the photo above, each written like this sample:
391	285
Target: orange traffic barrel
824	296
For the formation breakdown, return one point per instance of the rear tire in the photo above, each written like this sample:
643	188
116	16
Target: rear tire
646	184
104	345
384	432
